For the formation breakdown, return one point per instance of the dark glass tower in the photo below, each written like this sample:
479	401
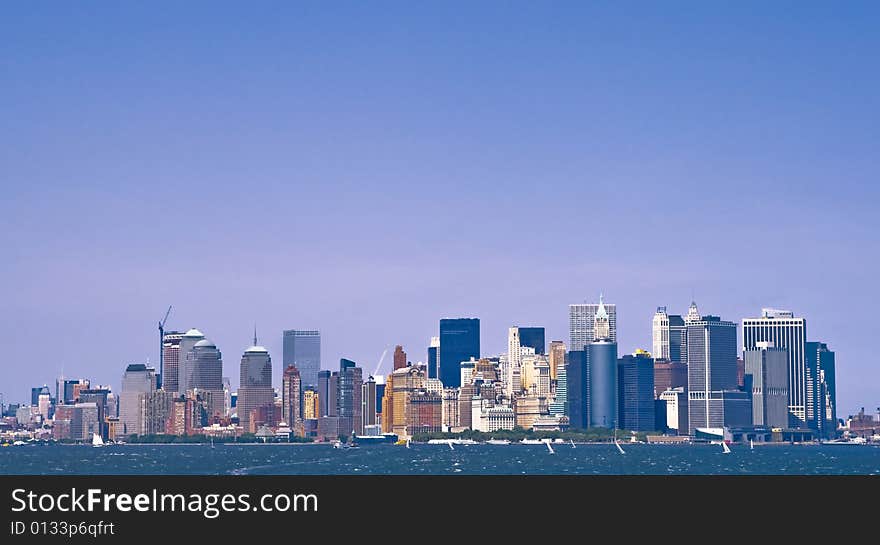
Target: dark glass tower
577	389
533	337
459	341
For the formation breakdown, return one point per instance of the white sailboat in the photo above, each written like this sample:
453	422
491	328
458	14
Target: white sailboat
572	443
725	447
407	443
549	447
450	445
97	440
751	445
616	444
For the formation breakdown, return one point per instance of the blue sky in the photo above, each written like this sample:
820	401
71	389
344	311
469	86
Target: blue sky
368	168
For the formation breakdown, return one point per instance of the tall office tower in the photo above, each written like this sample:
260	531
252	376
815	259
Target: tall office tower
559	405
602	366
68	396
557	357
323	390
451	409
459	341
434	358
713	400
138	383
368	402
670	339
577	374
821	389
255	385
635	392
513	369
227	397
302	348
349	398
380	393
184	347
581	323
399	357
781	328
311	404
204	367
533	337
766	378
292	397
171	360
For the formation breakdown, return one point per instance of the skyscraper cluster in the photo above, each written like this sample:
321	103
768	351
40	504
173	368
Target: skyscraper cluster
699	380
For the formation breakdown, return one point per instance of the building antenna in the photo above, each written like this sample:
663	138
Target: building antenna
255	333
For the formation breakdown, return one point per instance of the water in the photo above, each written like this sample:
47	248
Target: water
422	459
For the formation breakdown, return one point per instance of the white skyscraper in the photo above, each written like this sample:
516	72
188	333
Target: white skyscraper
581	324
669	336
512	376
784	331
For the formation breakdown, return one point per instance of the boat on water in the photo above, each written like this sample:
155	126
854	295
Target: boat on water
18	443
97	440
572	443
498	442
531	442
849	442
549	446
724	448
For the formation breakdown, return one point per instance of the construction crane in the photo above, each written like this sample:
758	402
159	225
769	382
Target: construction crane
381	359
162	347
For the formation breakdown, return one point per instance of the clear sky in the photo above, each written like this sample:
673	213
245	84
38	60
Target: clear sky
368	168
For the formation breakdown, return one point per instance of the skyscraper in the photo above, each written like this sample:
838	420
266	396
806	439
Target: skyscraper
433	357
581	323
399	357
368	400
602	371
185	345
349	397
324	394
138	383
513	367
292	398
459	341
171	360
302	348
781	328
311	404
670	339
559	405
712	394
766	378
578	389
557	357
204	367
821	391
635	392
255	386
533	337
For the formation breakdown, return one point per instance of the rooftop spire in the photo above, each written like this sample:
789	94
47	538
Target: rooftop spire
255	334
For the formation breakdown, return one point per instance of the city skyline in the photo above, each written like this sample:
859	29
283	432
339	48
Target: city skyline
365	172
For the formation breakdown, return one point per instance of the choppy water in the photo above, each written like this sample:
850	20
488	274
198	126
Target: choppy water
284	459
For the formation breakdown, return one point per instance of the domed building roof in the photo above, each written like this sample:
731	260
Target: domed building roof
194	333
256	349
206	344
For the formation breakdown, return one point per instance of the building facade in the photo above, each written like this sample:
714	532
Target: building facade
766	378
255	382
789	333
581	322
635	392
302	348
711	371
459	341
